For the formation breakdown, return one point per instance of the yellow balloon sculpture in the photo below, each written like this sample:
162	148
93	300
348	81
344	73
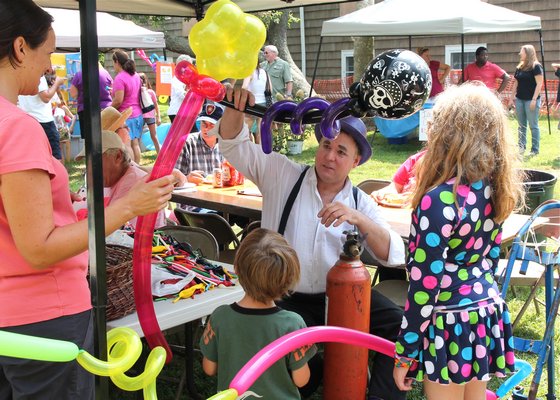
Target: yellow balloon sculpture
227	41
125	348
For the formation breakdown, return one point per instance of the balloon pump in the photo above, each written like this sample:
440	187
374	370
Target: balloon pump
348	300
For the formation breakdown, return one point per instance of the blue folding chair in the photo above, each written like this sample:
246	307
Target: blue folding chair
538	245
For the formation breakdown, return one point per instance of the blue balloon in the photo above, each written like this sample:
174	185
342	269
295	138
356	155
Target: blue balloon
522	370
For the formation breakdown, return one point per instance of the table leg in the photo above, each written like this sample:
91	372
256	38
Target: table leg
189	360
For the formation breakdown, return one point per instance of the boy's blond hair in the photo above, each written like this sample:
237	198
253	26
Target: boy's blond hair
267	266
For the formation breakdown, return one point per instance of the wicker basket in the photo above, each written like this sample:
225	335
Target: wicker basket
120	291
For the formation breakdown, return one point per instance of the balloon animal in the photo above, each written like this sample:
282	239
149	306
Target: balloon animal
124	348
395	85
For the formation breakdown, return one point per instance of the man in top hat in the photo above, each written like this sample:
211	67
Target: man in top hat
120	174
318	212
201	153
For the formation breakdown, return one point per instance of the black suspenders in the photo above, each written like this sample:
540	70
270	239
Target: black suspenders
292	197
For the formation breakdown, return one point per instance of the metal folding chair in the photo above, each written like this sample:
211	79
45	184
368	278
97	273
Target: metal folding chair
370	185
218	226
199	238
537	247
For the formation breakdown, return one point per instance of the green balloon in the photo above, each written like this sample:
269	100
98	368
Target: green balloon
36	348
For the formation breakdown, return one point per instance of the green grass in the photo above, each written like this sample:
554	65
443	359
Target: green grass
386	159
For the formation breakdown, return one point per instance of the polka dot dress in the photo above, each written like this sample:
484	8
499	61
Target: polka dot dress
455	323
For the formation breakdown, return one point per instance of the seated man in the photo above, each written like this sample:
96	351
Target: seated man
201	153
119	173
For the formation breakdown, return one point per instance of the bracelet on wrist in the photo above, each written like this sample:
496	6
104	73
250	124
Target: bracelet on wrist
404	362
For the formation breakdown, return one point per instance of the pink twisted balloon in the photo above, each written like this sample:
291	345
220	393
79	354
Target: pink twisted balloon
200	87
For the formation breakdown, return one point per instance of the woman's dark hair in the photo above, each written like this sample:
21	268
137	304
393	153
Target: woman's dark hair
126	63
22	18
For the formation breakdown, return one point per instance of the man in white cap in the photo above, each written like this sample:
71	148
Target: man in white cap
119	172
279	72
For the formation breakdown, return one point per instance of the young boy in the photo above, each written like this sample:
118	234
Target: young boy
268	268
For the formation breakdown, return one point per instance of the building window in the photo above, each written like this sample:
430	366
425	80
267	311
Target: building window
453	54
347	66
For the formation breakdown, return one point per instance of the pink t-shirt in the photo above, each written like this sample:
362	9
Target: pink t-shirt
405	175
132	175
29	295
487	74
437	87
130	84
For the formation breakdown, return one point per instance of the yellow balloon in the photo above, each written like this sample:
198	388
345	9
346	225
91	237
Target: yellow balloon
227	41
124	348
229	394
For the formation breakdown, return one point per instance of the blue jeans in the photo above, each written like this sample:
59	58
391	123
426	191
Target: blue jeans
526	115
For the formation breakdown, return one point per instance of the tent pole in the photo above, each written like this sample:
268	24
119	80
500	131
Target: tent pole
544	79
315	67
462	57
96	217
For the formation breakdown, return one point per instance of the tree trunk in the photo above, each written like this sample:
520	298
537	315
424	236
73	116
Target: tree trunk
178	44
363	47
277	35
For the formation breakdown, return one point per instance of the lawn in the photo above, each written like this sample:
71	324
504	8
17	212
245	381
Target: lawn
386	159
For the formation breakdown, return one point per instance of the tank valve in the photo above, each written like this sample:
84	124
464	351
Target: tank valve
353	245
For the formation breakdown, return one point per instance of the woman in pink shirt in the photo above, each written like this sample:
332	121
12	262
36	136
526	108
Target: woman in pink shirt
435	68
126	93
43	286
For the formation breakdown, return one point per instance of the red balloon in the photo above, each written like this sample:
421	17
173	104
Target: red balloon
201	86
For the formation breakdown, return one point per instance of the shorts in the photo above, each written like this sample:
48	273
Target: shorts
149	121
135	125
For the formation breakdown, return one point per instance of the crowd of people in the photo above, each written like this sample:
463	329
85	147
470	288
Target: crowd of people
464	178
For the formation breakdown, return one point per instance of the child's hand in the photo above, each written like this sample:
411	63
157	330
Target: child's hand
402	382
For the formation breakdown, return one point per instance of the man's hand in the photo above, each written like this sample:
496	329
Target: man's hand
196	177
337	213
233	119
180	178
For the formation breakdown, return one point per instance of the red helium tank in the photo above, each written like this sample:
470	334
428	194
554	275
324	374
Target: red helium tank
348	305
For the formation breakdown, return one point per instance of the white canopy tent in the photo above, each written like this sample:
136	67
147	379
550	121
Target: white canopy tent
112	32
432	17
182	8
429	17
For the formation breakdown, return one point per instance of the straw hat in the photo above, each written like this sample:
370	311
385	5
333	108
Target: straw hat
112	119
109	140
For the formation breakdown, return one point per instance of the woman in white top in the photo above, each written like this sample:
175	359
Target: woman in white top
256	84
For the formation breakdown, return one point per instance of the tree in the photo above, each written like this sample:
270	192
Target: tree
363	47
277	34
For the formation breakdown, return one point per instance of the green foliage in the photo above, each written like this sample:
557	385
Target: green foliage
273	17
